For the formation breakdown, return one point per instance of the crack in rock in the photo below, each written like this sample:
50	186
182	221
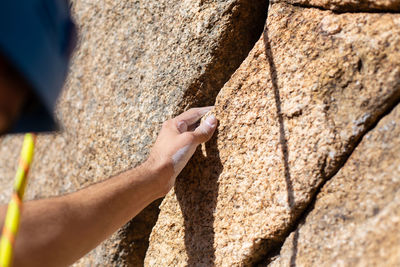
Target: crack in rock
289	117
348	6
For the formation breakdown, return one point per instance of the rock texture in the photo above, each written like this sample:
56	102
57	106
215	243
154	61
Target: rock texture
289	117
356	217
349	5
138	64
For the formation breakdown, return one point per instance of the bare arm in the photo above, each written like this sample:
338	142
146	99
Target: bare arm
58	231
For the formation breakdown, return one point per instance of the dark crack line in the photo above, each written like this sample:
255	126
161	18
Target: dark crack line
279	115
272	248
237	42
301	218
343	9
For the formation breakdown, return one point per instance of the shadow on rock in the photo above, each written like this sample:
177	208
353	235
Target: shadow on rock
134	236
197	191
282	135
264	252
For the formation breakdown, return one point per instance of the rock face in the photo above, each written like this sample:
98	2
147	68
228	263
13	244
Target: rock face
292	176
138	63
349	5
356	217
289	117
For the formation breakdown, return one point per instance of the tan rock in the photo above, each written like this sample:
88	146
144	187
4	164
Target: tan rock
356	217
349	5
289	117
138	64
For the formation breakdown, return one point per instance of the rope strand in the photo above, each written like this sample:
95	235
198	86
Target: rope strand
11	223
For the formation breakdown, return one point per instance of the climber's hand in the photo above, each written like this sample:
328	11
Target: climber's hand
176	143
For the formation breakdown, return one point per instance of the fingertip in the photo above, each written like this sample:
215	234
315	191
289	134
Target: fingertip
211	121
206	129
192	115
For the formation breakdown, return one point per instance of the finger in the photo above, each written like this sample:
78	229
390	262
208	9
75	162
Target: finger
206	129
193	126
182	126
193	115
181	158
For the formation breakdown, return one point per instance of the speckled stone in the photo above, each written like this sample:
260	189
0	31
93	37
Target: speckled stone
349	5
138	63
356	218
288	118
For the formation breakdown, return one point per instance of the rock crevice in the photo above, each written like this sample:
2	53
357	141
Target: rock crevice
289	117
138	64
273	247
348	6
276	247
355	218
293	113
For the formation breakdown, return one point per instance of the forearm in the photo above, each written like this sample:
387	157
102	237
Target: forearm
58	231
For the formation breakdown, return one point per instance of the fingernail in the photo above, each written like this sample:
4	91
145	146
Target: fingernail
182	126
211	121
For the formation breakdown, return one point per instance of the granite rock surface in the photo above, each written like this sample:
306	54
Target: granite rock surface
138	63
356	218
289	117
349	5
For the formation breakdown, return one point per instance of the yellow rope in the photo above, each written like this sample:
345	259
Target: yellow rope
11	223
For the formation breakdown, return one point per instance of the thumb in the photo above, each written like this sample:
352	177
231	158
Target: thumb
205	130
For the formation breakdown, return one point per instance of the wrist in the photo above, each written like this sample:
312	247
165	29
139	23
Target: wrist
160	173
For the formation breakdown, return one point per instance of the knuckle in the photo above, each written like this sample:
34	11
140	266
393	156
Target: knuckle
166	124
195	111
182	126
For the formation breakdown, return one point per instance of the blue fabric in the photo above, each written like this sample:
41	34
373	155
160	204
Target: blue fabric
37	36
